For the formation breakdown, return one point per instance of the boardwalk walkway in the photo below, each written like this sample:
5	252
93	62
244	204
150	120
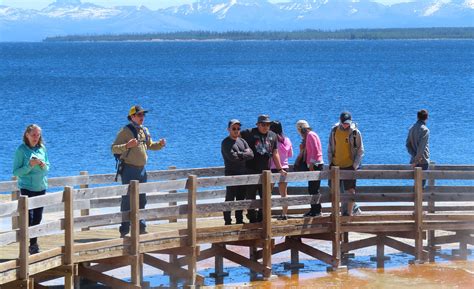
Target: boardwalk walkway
184	213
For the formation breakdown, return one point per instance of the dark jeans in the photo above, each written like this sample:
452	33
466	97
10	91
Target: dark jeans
346	185
234	193
424	167
34	215
130	173
251	194
313	189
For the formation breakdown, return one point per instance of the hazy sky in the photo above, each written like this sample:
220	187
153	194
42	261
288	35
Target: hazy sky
152	4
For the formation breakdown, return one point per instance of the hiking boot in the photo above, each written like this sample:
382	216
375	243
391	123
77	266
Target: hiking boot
357	212
143	231
240	222
282	218
122	234
33	249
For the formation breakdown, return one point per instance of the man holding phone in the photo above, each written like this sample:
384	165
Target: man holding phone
132	143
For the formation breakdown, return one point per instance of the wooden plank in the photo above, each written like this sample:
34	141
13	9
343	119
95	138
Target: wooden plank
162	186
14	195
377	228
448	189
172	193
23	273
44	255
100	192
46	229
97	245
9	208
449	217
67	181
400	246
301	176
229	181
449	197
450	175
377	218
8	265
100	220
170	269
376	174
9	237
370	198
8	186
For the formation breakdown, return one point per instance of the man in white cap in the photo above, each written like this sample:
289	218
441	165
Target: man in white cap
130	146
346	150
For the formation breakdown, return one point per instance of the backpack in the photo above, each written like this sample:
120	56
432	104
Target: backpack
118	160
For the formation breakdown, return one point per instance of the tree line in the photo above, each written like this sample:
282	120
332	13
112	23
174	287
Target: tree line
307	34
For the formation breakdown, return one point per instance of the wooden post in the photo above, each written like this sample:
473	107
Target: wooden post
69	236
192	236
335	218
431	209
14	196
418	214
84	212
173	257
219	266
380	252
267	221
294	254
24	238
253	252
135	233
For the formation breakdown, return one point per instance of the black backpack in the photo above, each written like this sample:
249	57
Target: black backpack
118	160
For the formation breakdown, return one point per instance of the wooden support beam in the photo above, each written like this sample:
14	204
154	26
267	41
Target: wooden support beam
431	209
313	252
105	279
68	236
84	212
380	252
267	221
170	269
173	257
19	284
335	217
218	263
192	235
418	174
363	243
241	260
24	238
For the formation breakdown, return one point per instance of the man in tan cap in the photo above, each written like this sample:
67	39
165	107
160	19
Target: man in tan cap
130	147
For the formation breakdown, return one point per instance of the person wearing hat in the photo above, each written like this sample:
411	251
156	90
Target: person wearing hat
235	151
264	144
311	155
346	150
417	142
131	146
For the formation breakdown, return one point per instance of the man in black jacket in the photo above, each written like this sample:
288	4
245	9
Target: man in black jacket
235	152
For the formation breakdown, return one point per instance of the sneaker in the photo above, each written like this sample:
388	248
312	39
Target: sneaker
228	223
311	213
282	218
240	222
34	249
122	235
143	231
357	212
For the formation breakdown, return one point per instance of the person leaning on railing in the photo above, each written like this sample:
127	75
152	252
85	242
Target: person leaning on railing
31	166
417	143
346	150
131	144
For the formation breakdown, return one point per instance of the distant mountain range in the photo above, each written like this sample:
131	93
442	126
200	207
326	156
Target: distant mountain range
66	17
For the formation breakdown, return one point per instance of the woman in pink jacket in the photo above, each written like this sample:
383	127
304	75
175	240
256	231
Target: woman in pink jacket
312	154
285	150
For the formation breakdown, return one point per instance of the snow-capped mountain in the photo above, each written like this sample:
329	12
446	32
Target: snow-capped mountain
80	17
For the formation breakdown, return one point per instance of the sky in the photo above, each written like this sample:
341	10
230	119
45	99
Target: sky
152	4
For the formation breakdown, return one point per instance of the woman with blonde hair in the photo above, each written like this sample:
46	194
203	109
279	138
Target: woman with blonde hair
31	166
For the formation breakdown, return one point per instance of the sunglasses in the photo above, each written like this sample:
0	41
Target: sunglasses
265	124
140	114
235	128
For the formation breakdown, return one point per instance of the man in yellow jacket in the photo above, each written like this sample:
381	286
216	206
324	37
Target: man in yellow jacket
131	144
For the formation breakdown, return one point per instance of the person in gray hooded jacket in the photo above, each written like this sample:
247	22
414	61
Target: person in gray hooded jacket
346	150
417	143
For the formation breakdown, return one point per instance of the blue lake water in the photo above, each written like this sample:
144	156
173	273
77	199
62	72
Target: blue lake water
80	94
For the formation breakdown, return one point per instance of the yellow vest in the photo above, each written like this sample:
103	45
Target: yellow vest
342	154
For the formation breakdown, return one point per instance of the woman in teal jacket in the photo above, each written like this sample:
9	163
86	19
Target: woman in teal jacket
31	166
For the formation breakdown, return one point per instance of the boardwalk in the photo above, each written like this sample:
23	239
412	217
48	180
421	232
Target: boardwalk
186	209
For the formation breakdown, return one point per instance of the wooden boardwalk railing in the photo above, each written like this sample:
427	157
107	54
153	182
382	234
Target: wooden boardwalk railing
184	213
